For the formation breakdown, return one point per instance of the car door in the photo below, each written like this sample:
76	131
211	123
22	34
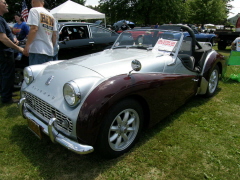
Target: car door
74	36
101	36
182	66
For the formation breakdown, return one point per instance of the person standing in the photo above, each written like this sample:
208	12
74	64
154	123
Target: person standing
156	26
20	29
42	34
236	44
7	63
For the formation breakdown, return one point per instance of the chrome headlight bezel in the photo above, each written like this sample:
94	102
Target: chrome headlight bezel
71	93
28	75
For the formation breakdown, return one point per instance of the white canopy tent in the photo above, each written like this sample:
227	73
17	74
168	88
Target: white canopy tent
74	11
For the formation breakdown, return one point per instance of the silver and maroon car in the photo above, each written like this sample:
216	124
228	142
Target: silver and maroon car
103	101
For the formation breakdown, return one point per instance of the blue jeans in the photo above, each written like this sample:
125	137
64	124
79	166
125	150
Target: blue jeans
7	68
39	58
55	58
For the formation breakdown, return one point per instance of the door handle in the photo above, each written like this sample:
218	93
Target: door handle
92	43
195	79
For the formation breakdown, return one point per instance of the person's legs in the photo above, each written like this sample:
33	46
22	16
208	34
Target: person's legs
7	67
39	58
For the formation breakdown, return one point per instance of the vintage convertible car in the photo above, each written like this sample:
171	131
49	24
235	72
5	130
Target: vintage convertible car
103	101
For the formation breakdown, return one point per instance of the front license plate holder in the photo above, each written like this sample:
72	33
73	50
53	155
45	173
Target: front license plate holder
35	128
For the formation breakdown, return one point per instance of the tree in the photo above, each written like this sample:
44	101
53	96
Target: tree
144	11
211	11
16	6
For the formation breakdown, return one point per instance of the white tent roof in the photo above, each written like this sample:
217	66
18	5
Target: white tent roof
74	11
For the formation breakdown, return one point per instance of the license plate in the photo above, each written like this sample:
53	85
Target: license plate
35	128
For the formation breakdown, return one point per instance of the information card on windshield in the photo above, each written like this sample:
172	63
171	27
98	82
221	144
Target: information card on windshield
164	45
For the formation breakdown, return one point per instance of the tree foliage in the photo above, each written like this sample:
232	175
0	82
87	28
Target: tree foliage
16	6
165	11
211	11
146	12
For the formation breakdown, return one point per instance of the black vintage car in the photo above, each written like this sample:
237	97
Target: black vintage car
75	35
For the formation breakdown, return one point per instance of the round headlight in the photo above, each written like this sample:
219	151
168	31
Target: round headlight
28	75
71	93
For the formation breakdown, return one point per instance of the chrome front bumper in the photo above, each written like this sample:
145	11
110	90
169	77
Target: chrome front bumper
54	135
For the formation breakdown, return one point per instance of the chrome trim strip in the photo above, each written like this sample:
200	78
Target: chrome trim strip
54	135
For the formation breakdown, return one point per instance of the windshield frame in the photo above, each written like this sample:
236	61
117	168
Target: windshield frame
136	34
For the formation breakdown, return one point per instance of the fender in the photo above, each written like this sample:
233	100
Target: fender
147	88
212	60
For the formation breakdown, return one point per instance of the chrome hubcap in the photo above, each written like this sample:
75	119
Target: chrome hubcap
123	130
213	81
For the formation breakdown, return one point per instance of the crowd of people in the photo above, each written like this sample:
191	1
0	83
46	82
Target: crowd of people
41	34
41	44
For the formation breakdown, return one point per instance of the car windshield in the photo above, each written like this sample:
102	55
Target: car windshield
152	39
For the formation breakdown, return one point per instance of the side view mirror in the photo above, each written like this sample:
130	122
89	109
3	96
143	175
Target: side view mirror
136	66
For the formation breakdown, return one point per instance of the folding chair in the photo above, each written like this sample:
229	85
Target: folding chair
233	69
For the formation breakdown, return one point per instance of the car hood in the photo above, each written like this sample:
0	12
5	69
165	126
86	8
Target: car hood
100	65
111	62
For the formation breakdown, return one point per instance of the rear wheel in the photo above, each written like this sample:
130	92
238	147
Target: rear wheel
121	128
213	82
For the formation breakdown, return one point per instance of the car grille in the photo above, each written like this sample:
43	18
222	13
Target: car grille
45	111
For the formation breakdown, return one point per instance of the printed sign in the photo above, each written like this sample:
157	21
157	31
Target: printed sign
164	45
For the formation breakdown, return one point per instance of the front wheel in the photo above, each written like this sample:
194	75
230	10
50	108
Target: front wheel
213	82
120	129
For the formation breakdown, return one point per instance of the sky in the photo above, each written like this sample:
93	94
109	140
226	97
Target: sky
95	2
236	8
234	11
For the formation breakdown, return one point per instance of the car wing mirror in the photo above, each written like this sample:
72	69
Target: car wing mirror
136	66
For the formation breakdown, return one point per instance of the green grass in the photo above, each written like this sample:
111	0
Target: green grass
199	141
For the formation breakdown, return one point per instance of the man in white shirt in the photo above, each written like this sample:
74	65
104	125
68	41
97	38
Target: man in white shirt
42	34
236	43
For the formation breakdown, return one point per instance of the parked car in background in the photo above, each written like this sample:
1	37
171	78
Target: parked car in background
227	35
200	37
80	35
204	37
104	100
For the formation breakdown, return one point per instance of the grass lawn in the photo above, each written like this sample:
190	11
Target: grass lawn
199	141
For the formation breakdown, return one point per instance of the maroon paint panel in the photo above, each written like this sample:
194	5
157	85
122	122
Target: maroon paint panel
161	93
214	59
